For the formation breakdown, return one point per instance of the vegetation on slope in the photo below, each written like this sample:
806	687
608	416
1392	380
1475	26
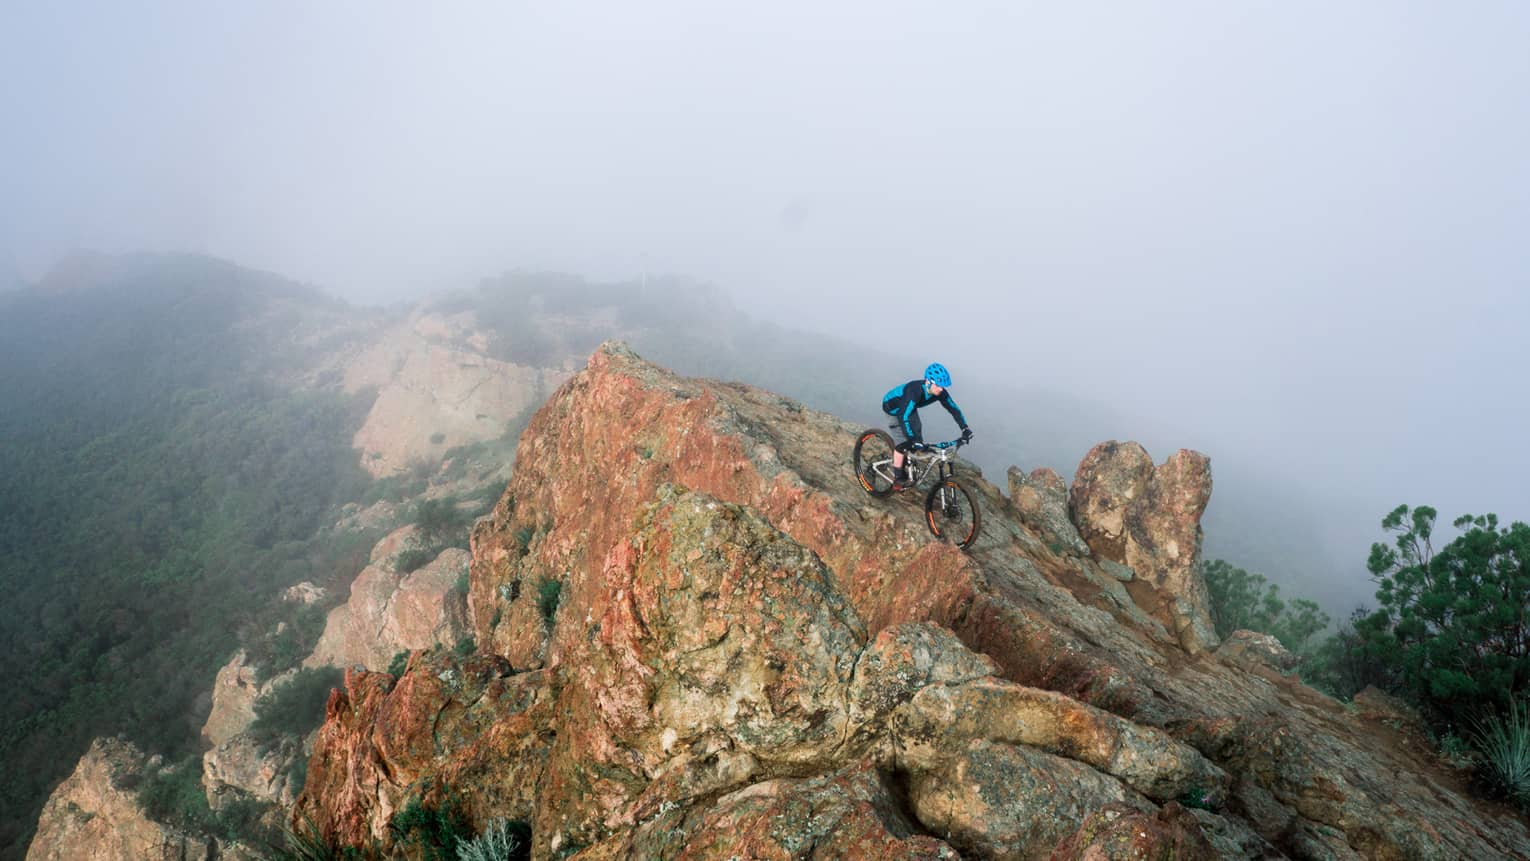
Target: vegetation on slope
1451	635
160	487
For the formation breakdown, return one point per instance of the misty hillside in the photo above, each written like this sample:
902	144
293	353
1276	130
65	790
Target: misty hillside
161	479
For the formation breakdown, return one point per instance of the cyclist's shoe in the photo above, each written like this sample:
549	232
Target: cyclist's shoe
901	480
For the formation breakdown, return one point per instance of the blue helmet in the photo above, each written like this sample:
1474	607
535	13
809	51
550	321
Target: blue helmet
936	373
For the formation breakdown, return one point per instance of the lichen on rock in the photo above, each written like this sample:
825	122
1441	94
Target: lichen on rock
698	638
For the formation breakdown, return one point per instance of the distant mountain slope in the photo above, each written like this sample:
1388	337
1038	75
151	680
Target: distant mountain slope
160	474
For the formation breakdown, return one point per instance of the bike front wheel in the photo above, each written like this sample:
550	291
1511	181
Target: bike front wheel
873	462
951	511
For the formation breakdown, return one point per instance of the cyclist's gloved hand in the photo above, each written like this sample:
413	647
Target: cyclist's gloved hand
966	434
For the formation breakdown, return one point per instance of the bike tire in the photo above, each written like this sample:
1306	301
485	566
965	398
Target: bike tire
870	447
947	524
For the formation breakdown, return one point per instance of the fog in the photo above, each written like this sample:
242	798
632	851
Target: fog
1288	234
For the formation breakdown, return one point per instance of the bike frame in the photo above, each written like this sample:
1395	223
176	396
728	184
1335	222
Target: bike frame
940	456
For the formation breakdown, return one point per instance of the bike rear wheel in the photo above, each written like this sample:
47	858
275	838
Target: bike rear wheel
872	461
952	513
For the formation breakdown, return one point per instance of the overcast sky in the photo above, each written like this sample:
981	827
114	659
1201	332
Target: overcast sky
1297	231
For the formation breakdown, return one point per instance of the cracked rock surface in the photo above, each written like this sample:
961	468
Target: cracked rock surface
699	639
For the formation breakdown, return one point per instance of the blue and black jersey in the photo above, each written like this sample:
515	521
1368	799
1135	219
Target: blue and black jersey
903	403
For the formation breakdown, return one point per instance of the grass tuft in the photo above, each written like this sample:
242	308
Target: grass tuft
549	593
1504	742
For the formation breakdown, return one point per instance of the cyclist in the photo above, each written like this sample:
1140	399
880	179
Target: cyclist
903	403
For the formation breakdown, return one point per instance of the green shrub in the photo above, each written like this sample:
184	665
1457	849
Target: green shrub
465	647
294	707
287	646
501	841
437	438
241	818
440	521
1504	742
523	538
1198	798
398	664
394	488
549	592
436	830
1457	751
414	559
175	796
1453	623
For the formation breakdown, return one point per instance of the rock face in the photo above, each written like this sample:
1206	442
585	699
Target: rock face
94	814
1119	832
718	654
1041	499
233	701
1149	518
236	766
699	639
392	611
437	389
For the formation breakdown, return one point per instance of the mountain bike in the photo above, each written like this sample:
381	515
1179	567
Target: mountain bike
950	509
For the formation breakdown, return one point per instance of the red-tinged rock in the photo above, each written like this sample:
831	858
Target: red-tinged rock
385	743
719	612
1123	833
616	431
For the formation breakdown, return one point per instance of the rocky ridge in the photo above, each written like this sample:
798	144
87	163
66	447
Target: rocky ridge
697	638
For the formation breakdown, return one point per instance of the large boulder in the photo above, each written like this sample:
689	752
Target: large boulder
1149	518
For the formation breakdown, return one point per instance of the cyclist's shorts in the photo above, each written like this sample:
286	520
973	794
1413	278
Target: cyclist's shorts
897	425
